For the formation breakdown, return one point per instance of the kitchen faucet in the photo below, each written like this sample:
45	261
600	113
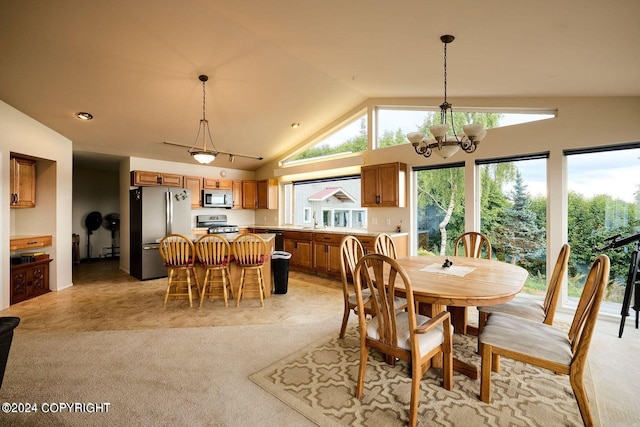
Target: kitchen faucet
315	220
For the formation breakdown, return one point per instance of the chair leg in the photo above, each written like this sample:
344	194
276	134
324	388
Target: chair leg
241	287
485	373
261	286
364	355
416	376
577	384
204	287
225	291
166	296
345	319
447	371
189	288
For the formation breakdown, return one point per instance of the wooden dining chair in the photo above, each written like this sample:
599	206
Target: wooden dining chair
401	334
214	254
250	252
179	257
350	253
473	245
545	346
384	245
539	311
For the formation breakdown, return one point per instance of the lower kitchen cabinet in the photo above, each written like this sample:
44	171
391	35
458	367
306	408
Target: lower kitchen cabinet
29	280
300	245
326	254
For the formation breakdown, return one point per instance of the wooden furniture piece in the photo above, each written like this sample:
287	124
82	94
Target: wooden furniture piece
22	184
384	185
29	280
178	254
545	346
350	253
474	245
194	184
217	184
236	191
214	254
267	194
20	243
250	253
300	245
534	310
399	334
249	194
146	178
486	282
384	245
326	254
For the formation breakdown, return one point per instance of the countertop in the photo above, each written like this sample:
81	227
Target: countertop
267	237
335	230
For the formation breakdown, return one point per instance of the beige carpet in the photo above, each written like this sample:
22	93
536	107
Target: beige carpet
319	382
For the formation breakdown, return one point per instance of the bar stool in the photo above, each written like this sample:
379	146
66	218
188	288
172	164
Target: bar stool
179	256
250	252
214	255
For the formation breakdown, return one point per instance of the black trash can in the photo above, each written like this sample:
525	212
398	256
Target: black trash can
280	269
7	325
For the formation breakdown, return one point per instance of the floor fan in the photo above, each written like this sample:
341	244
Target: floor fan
93	221
112	223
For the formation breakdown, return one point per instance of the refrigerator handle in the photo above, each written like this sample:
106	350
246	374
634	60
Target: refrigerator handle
169	213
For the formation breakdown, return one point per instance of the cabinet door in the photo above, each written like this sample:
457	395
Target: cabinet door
267	194
333	260
146	178
194	183
290	246
320	257
305	250
19	281
23	183
388	185
171	180
249	195
237	194
217	184
369	186
39	279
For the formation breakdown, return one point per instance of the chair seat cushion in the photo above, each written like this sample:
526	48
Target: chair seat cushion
226	260
366	295
527	337
427	342
528	308
259	261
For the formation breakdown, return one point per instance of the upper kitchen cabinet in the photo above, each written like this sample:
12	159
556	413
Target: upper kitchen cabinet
145	178
268	194
194	183
384	185
23	183
217	184
249	195
237	195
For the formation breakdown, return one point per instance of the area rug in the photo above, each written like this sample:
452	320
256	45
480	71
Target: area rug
319	382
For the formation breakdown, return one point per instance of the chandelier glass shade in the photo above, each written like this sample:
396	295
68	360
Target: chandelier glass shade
446	145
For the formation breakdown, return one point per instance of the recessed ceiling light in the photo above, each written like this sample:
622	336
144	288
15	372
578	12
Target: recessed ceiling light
295	125
84	116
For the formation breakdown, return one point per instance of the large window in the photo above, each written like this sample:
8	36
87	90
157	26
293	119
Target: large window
604	201
440	208
327	203
513	214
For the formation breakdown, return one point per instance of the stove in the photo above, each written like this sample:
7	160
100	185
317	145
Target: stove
215	224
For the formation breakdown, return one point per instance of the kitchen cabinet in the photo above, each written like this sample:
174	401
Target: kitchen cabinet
300	245
146	178
29	280
22	183
194	183
20	243
267	194
384	185
326	254
236	191
217	184
249	194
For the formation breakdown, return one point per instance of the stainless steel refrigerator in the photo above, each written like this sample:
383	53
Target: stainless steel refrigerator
155	212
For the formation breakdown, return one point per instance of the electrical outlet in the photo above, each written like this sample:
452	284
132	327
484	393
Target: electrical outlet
387	221
374	221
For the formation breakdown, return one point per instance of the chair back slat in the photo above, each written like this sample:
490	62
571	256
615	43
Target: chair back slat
213	250
350	253
384	245
177	250
555	284
586	314
475	245
249	249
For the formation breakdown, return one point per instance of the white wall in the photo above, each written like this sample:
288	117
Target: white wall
52	215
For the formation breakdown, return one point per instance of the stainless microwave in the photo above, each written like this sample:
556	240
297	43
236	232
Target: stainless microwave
217	198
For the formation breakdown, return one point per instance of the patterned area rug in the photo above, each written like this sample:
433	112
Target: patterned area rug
319	382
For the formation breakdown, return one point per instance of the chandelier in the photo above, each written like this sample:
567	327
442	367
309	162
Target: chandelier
447	145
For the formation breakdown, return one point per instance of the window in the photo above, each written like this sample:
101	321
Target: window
393	124
351	138
331	202
603	201
513	214
440	208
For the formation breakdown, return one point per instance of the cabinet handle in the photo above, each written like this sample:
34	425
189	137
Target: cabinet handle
377	200
159	180
326	248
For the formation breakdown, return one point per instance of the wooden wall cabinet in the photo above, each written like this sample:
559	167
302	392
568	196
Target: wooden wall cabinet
194	183
236	191
267	194
384	185
29	280
146	178
21	243
326	254
22	183
300	245
217	184
249	195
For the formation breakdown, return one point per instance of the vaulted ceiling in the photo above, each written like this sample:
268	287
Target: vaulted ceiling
134	64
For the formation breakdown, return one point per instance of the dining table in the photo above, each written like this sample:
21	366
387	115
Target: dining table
441	282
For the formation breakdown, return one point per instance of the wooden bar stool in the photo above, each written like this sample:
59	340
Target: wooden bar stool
214	254
179	256
250	252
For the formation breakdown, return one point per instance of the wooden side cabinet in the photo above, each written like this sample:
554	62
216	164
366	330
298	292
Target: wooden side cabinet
236	191
22	183
194	183
326	254
29	280
300	245
249	194
146	178
267	194
384	185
